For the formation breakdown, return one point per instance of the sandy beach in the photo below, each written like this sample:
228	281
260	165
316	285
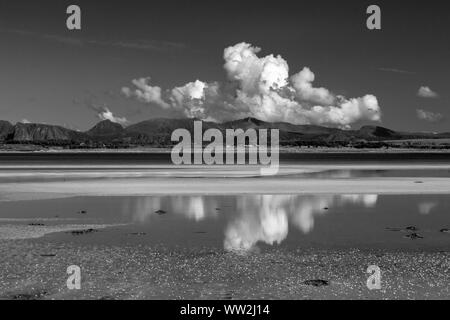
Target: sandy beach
142	187
43	182
37	271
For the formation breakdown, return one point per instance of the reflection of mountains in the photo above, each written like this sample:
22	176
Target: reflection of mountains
254	218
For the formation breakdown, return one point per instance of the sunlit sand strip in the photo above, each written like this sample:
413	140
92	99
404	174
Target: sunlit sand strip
39	219
225	167
86	172
18	232
222	186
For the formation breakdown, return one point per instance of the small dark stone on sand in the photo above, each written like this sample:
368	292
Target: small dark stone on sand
138	234
412	228
316	283
418	182
28	296
48	255
394	229
200	232
81	232
37	224
413	236
326	208
82	212
227	296
160	212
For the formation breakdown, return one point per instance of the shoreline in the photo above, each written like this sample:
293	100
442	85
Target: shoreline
227	186
287	150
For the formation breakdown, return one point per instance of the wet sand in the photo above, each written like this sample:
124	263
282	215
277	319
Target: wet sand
37	230
221	186
37	270
45	182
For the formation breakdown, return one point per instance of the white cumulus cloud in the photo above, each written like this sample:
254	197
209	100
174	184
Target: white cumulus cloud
426	92
429	115
260	87
144	92
106	114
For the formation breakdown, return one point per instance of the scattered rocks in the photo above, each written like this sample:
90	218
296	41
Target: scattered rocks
228	295
316	283
36	224
28	296
394	229
407	229
413	236
82	232
445	230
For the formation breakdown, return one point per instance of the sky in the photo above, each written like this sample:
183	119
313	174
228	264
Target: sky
305	62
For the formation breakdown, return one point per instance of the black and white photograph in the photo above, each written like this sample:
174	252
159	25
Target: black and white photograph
224	156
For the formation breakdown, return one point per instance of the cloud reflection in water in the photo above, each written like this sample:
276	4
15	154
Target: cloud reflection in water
251	219
266	218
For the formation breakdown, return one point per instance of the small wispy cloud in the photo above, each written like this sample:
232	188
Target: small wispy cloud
151	45
426	92
148	45
429	115
106	114
395	70
103	113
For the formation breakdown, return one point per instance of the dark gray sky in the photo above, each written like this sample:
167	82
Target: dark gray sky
51	75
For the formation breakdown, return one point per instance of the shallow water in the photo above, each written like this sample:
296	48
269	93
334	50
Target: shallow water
248	222
236	222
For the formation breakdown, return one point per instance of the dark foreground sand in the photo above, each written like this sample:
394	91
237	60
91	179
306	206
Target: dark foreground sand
37	270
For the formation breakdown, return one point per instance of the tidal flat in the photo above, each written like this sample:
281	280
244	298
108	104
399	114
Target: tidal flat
155	231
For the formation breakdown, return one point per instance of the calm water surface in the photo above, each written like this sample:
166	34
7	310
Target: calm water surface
247	223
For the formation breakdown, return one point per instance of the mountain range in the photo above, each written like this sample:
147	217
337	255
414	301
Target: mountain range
157	132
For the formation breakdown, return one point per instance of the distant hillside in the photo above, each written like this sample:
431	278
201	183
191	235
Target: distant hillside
372	132
5	129
106	129
33	132
157	132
